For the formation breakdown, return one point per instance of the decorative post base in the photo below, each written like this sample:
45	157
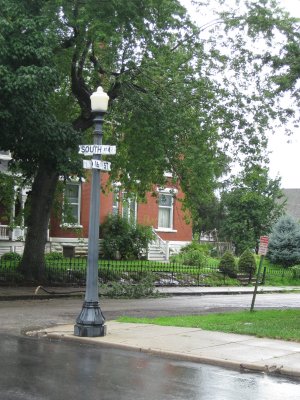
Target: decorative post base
90	322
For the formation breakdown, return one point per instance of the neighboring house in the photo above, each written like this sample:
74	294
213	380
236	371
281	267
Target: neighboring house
163	212
292	206
8	230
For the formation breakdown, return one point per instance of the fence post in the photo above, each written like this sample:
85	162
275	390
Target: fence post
264	276
167	250
172	276
199	275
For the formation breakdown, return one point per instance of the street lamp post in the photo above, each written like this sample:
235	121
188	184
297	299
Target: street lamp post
91	322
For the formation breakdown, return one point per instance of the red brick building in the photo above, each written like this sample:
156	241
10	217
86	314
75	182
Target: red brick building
163	212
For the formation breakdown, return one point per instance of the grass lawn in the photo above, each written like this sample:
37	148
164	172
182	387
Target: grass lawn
275	324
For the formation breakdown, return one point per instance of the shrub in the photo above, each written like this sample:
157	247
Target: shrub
227	265
247	263
192	254
122	240
53	256
296	271
12	256
200	247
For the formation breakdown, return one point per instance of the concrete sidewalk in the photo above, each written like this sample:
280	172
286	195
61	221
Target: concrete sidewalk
240	352
37	293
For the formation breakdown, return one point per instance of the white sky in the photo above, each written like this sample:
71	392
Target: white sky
284	151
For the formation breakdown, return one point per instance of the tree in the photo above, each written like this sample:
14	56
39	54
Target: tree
284	242
252	205
169	107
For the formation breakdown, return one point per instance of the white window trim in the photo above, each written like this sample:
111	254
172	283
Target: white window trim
129	208
74	225
167	191
165	230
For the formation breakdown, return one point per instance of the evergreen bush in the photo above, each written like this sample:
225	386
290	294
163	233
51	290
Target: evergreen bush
228	265
284	242
247	263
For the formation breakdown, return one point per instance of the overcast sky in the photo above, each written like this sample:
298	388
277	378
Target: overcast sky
285	151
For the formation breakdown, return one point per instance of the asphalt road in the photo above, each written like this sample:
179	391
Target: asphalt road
20	315
39	369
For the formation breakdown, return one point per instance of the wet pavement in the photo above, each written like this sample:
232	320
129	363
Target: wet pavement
240	352
34	369
53	369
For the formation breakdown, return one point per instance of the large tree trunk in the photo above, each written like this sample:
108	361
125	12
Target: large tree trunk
41	200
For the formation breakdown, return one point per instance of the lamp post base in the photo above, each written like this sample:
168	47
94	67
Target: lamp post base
90	330
90	322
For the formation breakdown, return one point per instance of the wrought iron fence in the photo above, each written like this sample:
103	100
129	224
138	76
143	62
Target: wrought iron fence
72	271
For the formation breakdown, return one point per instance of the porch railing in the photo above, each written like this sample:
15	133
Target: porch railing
4	232
163	245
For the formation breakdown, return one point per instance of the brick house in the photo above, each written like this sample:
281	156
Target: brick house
162	212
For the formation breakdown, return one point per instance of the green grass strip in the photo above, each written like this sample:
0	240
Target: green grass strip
275	324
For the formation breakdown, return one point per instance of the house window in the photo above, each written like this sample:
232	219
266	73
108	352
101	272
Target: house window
165	211
129	208
115	207
71	214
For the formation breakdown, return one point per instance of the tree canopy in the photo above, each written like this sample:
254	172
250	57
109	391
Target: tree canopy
179	94
251	207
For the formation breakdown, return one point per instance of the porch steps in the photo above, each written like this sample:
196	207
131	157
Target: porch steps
155	253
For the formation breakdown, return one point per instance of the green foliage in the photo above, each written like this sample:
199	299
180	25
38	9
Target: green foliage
284	242
192	254
11	256
144	288
252	205
151	60
276	324
204	248
122	240
227	265
54	256
296	271
247	262
6	196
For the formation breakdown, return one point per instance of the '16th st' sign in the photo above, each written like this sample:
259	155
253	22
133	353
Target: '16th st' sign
96	164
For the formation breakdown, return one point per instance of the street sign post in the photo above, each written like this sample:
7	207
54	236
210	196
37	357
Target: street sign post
91	149
263	245
262	251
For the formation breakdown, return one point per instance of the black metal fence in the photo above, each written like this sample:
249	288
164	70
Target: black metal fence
73	272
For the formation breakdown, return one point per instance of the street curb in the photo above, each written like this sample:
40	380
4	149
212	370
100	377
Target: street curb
38	297
15	297
229	364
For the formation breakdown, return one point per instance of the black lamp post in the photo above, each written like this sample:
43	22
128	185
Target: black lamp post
91	322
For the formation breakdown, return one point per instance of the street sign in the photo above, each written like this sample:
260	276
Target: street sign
96	164
90	149
263	245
